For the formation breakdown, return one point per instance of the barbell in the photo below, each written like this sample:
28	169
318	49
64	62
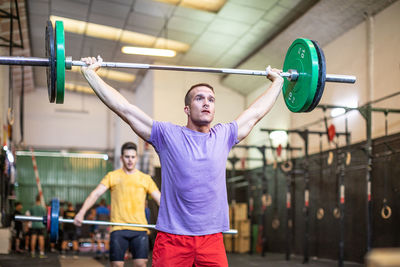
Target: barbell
304	69
53	219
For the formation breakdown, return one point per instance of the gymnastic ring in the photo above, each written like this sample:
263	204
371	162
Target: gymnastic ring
287	166
10	117
266	200
330	158
336	213
320	213
348	158
275	223
386	212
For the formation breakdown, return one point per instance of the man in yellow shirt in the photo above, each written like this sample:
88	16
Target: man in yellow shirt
128	187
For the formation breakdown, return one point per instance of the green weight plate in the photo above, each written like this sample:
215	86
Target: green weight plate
321	77
51	68
301	56
60	61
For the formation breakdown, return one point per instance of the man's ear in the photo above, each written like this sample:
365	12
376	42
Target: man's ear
186	109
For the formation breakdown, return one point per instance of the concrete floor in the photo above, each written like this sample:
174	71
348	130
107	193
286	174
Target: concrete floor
235	260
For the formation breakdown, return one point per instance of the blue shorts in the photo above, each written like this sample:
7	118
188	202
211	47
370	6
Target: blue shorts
136	241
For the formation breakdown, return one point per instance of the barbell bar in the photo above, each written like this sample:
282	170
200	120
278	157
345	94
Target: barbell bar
53	219
69	62
304	69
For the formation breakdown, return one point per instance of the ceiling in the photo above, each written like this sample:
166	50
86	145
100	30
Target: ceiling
246	34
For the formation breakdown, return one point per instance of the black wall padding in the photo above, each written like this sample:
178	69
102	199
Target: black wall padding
324	190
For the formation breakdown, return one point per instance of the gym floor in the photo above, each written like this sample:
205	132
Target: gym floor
235	260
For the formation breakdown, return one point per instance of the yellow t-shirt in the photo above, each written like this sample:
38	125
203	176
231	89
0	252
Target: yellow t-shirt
128	195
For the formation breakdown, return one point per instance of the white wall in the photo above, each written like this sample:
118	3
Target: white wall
348	54
82	122
277	118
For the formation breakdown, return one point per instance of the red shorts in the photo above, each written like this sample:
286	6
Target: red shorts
188	251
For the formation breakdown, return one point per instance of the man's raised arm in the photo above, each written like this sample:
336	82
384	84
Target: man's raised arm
140	122
261	106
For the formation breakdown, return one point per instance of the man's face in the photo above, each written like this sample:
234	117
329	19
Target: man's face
202	105
18	207
129	159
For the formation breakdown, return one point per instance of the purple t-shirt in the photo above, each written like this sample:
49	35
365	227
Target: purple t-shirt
193	167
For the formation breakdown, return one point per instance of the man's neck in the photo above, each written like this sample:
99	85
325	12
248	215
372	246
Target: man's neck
129	172
198	128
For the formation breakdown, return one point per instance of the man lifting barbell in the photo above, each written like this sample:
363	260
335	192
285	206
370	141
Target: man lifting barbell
194	207
194	164
129	188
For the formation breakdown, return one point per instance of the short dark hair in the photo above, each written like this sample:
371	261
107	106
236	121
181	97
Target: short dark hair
102	202
17	203
127	146
37	198
187	97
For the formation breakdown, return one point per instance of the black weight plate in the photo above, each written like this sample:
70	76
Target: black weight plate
321	77
51	68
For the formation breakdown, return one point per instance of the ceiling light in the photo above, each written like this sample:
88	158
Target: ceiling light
148	51
206	5
337	112
111	74
116	34
278	138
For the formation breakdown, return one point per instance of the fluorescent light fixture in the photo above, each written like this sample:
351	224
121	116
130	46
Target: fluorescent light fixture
148	51
119	76
63	154
206	5
337	112
278	138
116	34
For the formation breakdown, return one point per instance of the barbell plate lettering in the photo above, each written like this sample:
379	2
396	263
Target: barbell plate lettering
60	61
54	217
51	67
301	56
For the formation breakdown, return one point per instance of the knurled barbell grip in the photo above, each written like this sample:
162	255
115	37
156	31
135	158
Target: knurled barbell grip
70	62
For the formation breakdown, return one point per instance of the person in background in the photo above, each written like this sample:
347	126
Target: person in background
37	229
129	188
17	228
92	228
69	233
102	233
